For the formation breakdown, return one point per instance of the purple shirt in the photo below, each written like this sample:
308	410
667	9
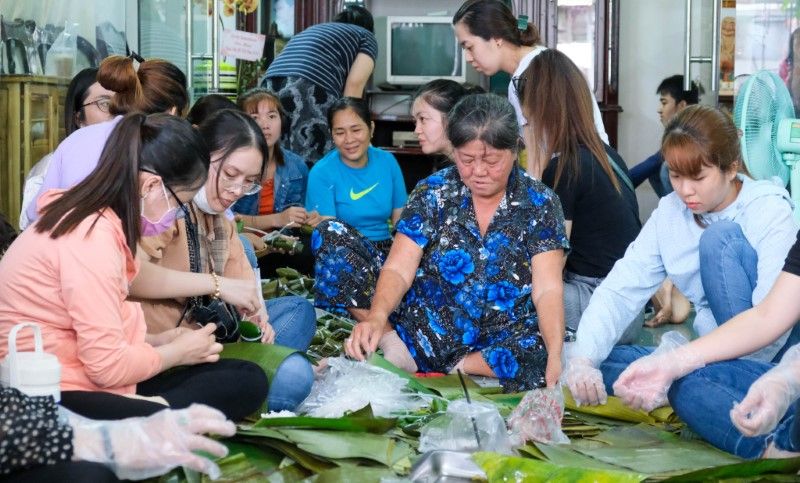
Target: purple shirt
74	159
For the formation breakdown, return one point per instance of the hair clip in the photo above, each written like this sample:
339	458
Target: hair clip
138	58
522	22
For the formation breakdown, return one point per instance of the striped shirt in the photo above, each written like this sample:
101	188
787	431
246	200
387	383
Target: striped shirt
323	54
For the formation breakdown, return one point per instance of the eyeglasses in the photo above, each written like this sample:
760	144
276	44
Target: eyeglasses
229	184
519	85
102	103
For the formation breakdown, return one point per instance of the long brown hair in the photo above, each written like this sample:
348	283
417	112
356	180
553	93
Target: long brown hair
558	105
700	136
156	86
159	143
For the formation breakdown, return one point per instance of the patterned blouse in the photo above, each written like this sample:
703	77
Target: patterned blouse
473	292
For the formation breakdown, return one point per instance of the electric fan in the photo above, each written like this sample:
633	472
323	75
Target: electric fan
770	133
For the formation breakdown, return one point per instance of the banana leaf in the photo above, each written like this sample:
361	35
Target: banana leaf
565	455
360	421
264	459
747	469
614	409
352	474
267	356
648	450
289	473
310	462
512	468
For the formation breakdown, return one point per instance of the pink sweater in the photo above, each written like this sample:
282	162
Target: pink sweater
75	288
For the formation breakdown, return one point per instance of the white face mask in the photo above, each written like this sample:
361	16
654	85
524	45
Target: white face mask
201	200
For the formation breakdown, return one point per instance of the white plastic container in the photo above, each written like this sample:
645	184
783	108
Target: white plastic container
35	373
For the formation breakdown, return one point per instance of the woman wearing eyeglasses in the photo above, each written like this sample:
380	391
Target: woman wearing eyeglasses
204	240
71	271
155	86
496	41
87	102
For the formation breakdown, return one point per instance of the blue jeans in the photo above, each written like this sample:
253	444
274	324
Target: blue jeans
703	400
728	270
294	321
249	251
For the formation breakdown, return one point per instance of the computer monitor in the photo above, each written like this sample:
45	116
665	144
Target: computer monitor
416	50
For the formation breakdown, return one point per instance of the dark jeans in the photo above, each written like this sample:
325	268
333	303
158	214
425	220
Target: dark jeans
235	387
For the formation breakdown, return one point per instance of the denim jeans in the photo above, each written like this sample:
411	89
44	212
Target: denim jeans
703	400
249	251
294	321
728	270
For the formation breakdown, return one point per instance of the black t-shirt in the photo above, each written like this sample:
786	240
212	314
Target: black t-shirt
792	263
604	221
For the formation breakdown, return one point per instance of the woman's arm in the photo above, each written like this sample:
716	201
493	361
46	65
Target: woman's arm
548	297
395	279
156	282
358	76
755	328
396	215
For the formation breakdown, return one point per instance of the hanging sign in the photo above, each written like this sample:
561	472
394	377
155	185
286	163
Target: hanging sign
242	45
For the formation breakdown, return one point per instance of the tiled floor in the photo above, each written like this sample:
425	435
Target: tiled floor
651	337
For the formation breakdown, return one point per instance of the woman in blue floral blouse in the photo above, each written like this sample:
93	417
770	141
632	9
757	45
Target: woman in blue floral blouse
473	279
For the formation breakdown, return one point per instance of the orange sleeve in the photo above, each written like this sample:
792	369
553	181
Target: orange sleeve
109	331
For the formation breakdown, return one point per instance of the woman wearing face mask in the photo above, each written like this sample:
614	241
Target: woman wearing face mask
205	241
84	250
494	42
279	203
87	103
721	237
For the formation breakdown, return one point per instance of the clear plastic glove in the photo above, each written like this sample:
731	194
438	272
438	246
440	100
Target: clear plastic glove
139	448
644	384
585	382
769	397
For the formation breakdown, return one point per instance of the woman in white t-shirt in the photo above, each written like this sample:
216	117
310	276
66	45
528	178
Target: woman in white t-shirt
494	41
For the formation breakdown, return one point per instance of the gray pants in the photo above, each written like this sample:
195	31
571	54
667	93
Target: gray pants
578	290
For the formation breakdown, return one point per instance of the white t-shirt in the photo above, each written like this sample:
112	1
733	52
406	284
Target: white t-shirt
514	100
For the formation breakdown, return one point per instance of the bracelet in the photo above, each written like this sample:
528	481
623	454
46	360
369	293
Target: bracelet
216	293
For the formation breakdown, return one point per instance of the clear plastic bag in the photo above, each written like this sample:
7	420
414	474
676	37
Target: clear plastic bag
62	57
350	385
456	430
538	418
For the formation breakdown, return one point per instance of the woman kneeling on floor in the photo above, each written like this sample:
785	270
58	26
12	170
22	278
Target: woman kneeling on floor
473	278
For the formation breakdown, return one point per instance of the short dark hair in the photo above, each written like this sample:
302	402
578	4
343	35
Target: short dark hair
359	106
77	93
486	117
673	86
356	15
207	105
441	94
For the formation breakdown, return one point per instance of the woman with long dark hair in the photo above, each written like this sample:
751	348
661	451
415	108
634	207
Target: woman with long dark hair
70	272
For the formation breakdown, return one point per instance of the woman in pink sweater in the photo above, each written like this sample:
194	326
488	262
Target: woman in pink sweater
70	273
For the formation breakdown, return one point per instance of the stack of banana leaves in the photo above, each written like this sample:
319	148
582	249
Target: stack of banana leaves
609	443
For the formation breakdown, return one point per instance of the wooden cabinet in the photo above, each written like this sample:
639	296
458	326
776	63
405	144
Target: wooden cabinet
31	125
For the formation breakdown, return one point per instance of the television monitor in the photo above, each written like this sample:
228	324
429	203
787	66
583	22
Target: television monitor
415	50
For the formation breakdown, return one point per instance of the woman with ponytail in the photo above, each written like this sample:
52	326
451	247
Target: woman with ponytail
70	273
496	41
156	86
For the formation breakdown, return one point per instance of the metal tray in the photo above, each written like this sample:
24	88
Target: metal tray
446	467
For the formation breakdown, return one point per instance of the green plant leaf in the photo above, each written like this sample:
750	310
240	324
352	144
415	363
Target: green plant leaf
745	469
343	445
345	423
263	458
267	356
353	474
512	468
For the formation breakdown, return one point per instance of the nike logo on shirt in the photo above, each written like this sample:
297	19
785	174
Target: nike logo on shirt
357	196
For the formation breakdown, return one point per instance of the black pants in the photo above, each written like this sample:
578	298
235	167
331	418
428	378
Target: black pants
78	472
235	387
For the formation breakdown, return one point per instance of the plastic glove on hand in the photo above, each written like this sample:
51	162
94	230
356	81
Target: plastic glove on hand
645	383
138	448
769	397
585	382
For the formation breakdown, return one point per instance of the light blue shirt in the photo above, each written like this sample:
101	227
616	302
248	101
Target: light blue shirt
668	246
361	197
